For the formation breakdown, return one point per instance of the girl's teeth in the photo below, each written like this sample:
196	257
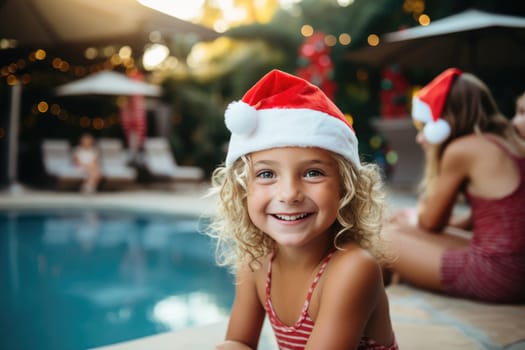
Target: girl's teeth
291	217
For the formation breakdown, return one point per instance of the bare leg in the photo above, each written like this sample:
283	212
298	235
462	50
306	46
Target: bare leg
93	177
418	253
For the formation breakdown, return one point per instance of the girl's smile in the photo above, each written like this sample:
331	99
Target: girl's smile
293	193
291	217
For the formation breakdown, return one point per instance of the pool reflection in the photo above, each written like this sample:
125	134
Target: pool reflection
83	279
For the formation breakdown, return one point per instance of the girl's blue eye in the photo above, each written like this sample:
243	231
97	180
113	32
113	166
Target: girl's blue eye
265	174
313	173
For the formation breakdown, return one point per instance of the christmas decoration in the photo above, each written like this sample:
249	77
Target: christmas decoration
394	93
428	104
315	64
285	111
133	117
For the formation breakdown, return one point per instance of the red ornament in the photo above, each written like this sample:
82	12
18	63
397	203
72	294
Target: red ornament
316	65
394	93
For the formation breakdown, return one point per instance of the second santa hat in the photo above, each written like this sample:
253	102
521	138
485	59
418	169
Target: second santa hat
282	110
428	104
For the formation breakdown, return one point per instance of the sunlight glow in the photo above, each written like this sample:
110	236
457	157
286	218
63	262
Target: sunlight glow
345	3
154	55
191	10
288	4
188	310
183	9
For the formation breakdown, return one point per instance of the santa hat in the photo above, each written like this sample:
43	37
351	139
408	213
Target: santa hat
428	104
282	110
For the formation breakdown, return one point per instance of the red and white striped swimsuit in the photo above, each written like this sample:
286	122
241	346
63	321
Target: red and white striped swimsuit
492	268
295	337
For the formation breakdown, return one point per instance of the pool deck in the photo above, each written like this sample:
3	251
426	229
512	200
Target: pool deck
421	320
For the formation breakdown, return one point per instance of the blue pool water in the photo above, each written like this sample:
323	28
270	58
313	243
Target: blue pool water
75	280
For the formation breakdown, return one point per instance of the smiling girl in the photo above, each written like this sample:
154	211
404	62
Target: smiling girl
298	221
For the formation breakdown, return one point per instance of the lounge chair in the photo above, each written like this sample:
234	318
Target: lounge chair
160	162
114	162
58	163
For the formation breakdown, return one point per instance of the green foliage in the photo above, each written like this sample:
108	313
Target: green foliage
199	133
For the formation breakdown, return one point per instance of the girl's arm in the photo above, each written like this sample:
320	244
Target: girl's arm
435	207
247	315
349	297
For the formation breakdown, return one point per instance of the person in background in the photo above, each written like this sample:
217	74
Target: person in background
86	157
519	118
471	150
298	221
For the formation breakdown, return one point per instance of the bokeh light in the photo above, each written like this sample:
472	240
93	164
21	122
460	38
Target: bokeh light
391	157
345	39
424	20
154	55
373	40
307	30
42	106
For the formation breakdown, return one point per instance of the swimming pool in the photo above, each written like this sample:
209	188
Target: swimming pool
76	279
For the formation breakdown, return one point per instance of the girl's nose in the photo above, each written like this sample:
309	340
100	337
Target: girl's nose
290	190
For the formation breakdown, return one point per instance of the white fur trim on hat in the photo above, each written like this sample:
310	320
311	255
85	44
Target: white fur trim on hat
301	127
436	132
421	111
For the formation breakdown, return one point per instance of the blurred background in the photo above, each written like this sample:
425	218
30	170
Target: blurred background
205	53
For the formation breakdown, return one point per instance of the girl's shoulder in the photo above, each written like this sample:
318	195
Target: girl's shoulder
472	145
484	145
352	261
352	273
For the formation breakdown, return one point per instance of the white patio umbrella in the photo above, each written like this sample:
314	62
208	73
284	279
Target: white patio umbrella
108	83
118	84
472	40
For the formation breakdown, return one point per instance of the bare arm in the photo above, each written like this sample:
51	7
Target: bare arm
349	297
247	315
435	207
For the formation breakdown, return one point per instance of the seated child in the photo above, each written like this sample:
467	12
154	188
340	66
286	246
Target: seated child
85	156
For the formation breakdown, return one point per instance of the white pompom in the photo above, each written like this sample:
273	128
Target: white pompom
240	118
437	132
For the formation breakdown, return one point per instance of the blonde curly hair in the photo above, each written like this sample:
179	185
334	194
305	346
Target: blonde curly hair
239	241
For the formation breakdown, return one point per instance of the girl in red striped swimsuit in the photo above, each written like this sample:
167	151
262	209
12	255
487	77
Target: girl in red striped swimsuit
298	221
474	150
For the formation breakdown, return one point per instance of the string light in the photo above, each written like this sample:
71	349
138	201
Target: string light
307	30
345	39
13	73
391	157
330	40
375	142
373	40
349	118
424	20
